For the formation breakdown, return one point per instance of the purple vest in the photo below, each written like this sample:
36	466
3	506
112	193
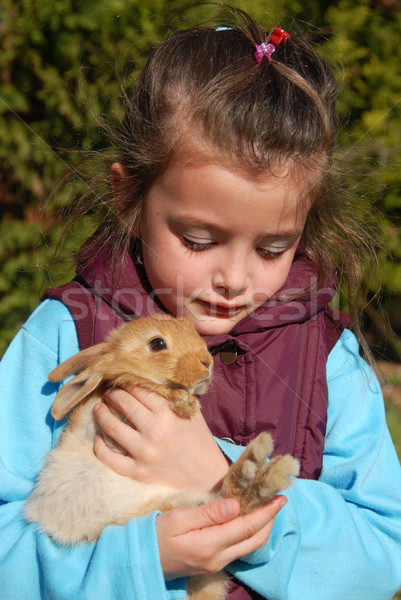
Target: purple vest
270	370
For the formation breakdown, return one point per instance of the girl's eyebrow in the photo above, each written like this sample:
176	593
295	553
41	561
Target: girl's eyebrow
281	235
190	221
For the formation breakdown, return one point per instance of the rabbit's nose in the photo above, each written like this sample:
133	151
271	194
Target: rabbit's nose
206	363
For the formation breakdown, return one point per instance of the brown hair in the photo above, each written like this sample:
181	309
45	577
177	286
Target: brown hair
259	115
206	83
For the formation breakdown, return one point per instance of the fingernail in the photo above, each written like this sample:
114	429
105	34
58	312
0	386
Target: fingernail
229	507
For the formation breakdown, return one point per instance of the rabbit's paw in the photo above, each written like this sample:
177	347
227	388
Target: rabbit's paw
272	478
242	473
253	481
183	403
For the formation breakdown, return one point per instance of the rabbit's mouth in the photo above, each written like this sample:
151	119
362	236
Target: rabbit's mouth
201	387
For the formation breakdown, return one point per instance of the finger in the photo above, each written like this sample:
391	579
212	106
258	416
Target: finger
123	465
128	405
246	547
151	400
235	539
111	425
257	533
206	515
250	532
247	526
205	534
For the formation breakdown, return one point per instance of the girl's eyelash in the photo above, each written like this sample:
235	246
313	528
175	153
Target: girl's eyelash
268	254
196	246
199	247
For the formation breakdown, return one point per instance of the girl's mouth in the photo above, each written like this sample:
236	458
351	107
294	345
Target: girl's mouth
221	311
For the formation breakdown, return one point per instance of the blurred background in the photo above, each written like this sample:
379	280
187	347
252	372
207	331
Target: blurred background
63	64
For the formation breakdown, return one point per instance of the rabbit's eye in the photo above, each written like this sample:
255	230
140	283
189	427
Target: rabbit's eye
157	344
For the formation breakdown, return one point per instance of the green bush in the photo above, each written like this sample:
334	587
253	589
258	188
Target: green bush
61	66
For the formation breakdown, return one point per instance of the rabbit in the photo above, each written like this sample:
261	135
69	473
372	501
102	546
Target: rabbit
76	496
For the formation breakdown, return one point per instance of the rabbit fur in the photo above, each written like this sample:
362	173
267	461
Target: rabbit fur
76	496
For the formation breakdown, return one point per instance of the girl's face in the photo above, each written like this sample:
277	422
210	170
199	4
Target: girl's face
217	244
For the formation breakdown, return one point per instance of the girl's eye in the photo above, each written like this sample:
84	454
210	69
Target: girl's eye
196	246
269	254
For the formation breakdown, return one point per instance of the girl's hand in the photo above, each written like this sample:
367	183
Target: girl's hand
204	539
161	447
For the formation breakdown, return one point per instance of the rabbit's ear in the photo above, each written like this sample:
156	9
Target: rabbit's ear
78	362
74	391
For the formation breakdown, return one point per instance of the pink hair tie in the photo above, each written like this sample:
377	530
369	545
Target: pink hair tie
264	50
277	36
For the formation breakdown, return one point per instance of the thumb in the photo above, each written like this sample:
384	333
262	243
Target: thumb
204	515
216	513
182	520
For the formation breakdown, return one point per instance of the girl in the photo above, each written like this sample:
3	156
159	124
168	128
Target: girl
225	213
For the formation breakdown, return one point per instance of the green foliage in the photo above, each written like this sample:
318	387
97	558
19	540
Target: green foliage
62	65
365	41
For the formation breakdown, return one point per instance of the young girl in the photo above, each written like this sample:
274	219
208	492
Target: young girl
224	212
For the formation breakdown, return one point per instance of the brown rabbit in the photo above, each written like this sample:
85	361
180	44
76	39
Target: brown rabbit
76	496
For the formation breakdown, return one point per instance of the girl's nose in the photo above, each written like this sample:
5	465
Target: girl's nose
232	280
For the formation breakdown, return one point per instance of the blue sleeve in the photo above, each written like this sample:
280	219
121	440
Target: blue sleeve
124	562
339	537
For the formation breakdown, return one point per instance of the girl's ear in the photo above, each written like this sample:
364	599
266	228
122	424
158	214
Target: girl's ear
123	189
118	179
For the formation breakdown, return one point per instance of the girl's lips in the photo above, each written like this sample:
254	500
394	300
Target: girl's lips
218	310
